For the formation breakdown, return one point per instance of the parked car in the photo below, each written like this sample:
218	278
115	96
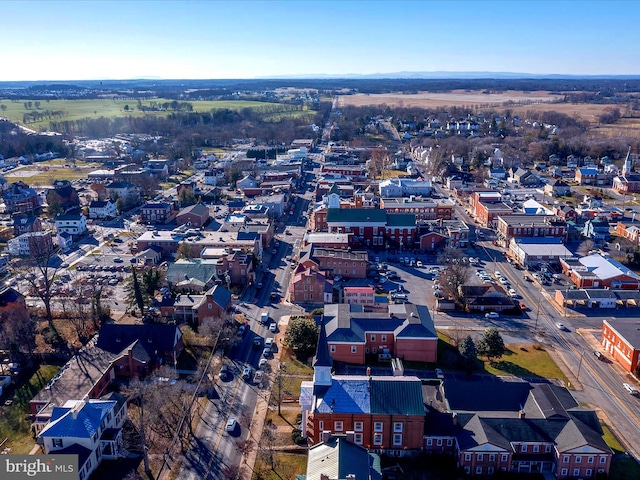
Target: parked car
266	352
224	372
246	373
492	315
439	373
630	388
231	425
257	378
598	355
560	326
262	363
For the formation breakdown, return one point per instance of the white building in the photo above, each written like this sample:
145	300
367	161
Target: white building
91	429
73	223
25	244
100	209
401	187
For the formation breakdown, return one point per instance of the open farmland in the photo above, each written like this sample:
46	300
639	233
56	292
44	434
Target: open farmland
61	110
453	98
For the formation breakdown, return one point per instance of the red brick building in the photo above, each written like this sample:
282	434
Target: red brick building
630	231
530	226
434	235
597	271
333	262
157	213
195	215
621	340
373	227
404	331
385	414
486	207
422	208
308	285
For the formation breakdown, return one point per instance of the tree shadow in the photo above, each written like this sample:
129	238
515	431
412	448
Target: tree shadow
512	369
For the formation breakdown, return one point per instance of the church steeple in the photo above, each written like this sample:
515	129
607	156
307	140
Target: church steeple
322	362
626	168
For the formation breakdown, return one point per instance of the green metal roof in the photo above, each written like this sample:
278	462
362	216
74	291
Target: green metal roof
401	220
356	215
397	397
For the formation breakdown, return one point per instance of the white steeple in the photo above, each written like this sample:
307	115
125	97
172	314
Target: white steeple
626	168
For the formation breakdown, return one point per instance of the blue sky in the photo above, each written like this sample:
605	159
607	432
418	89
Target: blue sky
62	40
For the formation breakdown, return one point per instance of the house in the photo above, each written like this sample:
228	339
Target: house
88	428
309	285
10	297
434	235
337	456
65	241
125	191
33	244
149	257
386	414
346	263
195	215
597	229
630	231
537	251
402	187
20	198
359	296
248	182
404	331
598	271
621	340
73	223
204	271
591	176
102	209
486	298
523	177
157	212
557	188
566	213
147	347
629	181
63	195
158	168
195	309
515	426
530	226
24	224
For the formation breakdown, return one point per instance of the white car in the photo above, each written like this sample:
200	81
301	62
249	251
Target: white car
231	425
492	315
560	326
512	293
273	327
503	280
630	388
262	363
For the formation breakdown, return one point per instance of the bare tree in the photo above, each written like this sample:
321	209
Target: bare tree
456	274
40	270
585	247
245	447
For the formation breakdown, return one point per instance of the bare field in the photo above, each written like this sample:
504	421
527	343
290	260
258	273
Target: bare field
453	98
586	111
628	127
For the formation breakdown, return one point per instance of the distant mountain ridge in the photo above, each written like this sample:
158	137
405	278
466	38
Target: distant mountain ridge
441	75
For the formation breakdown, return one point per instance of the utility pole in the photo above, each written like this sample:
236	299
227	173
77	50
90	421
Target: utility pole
580	366
538	310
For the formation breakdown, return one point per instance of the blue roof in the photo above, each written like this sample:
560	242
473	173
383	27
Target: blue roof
85	424
346	395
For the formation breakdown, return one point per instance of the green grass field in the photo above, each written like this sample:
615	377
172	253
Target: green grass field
79	109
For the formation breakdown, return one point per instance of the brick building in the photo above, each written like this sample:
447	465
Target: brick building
598	271
621	339
308	285
530	226
422	208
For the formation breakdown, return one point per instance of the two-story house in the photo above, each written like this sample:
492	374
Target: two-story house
20	198
90	429
310	286
25	224
102	209
73	223
35	244
63	195
158	212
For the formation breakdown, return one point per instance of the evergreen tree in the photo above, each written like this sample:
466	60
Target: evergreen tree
491	345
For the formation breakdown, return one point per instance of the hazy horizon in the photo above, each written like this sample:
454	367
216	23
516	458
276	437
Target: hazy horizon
69	40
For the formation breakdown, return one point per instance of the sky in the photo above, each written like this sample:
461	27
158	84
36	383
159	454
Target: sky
208	39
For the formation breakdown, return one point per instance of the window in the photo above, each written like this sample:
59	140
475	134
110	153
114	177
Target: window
576	472
467	470
377	426
321	425
589	459
439	442
523	448
373	337
429	442
354	349
449	442
490	470
492	458
547	448
588	472
578	459
480	457
357	426
603	459
357	438
57	442
536	448
565	459
505	458
397	439
333	349
377	439
397	427
467	457
564	472
478	470
337	426
210	306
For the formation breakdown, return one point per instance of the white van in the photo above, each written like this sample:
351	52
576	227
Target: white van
264	318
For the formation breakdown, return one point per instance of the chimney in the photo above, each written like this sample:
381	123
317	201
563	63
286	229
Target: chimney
521	414
324	476
351	436
326	435
351	476
454	418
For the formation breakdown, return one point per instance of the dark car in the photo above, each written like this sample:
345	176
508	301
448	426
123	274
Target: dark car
598	355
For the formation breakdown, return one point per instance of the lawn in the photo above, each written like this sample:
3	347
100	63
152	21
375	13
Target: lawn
292	365
36	177
287	466
109	108
14	420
